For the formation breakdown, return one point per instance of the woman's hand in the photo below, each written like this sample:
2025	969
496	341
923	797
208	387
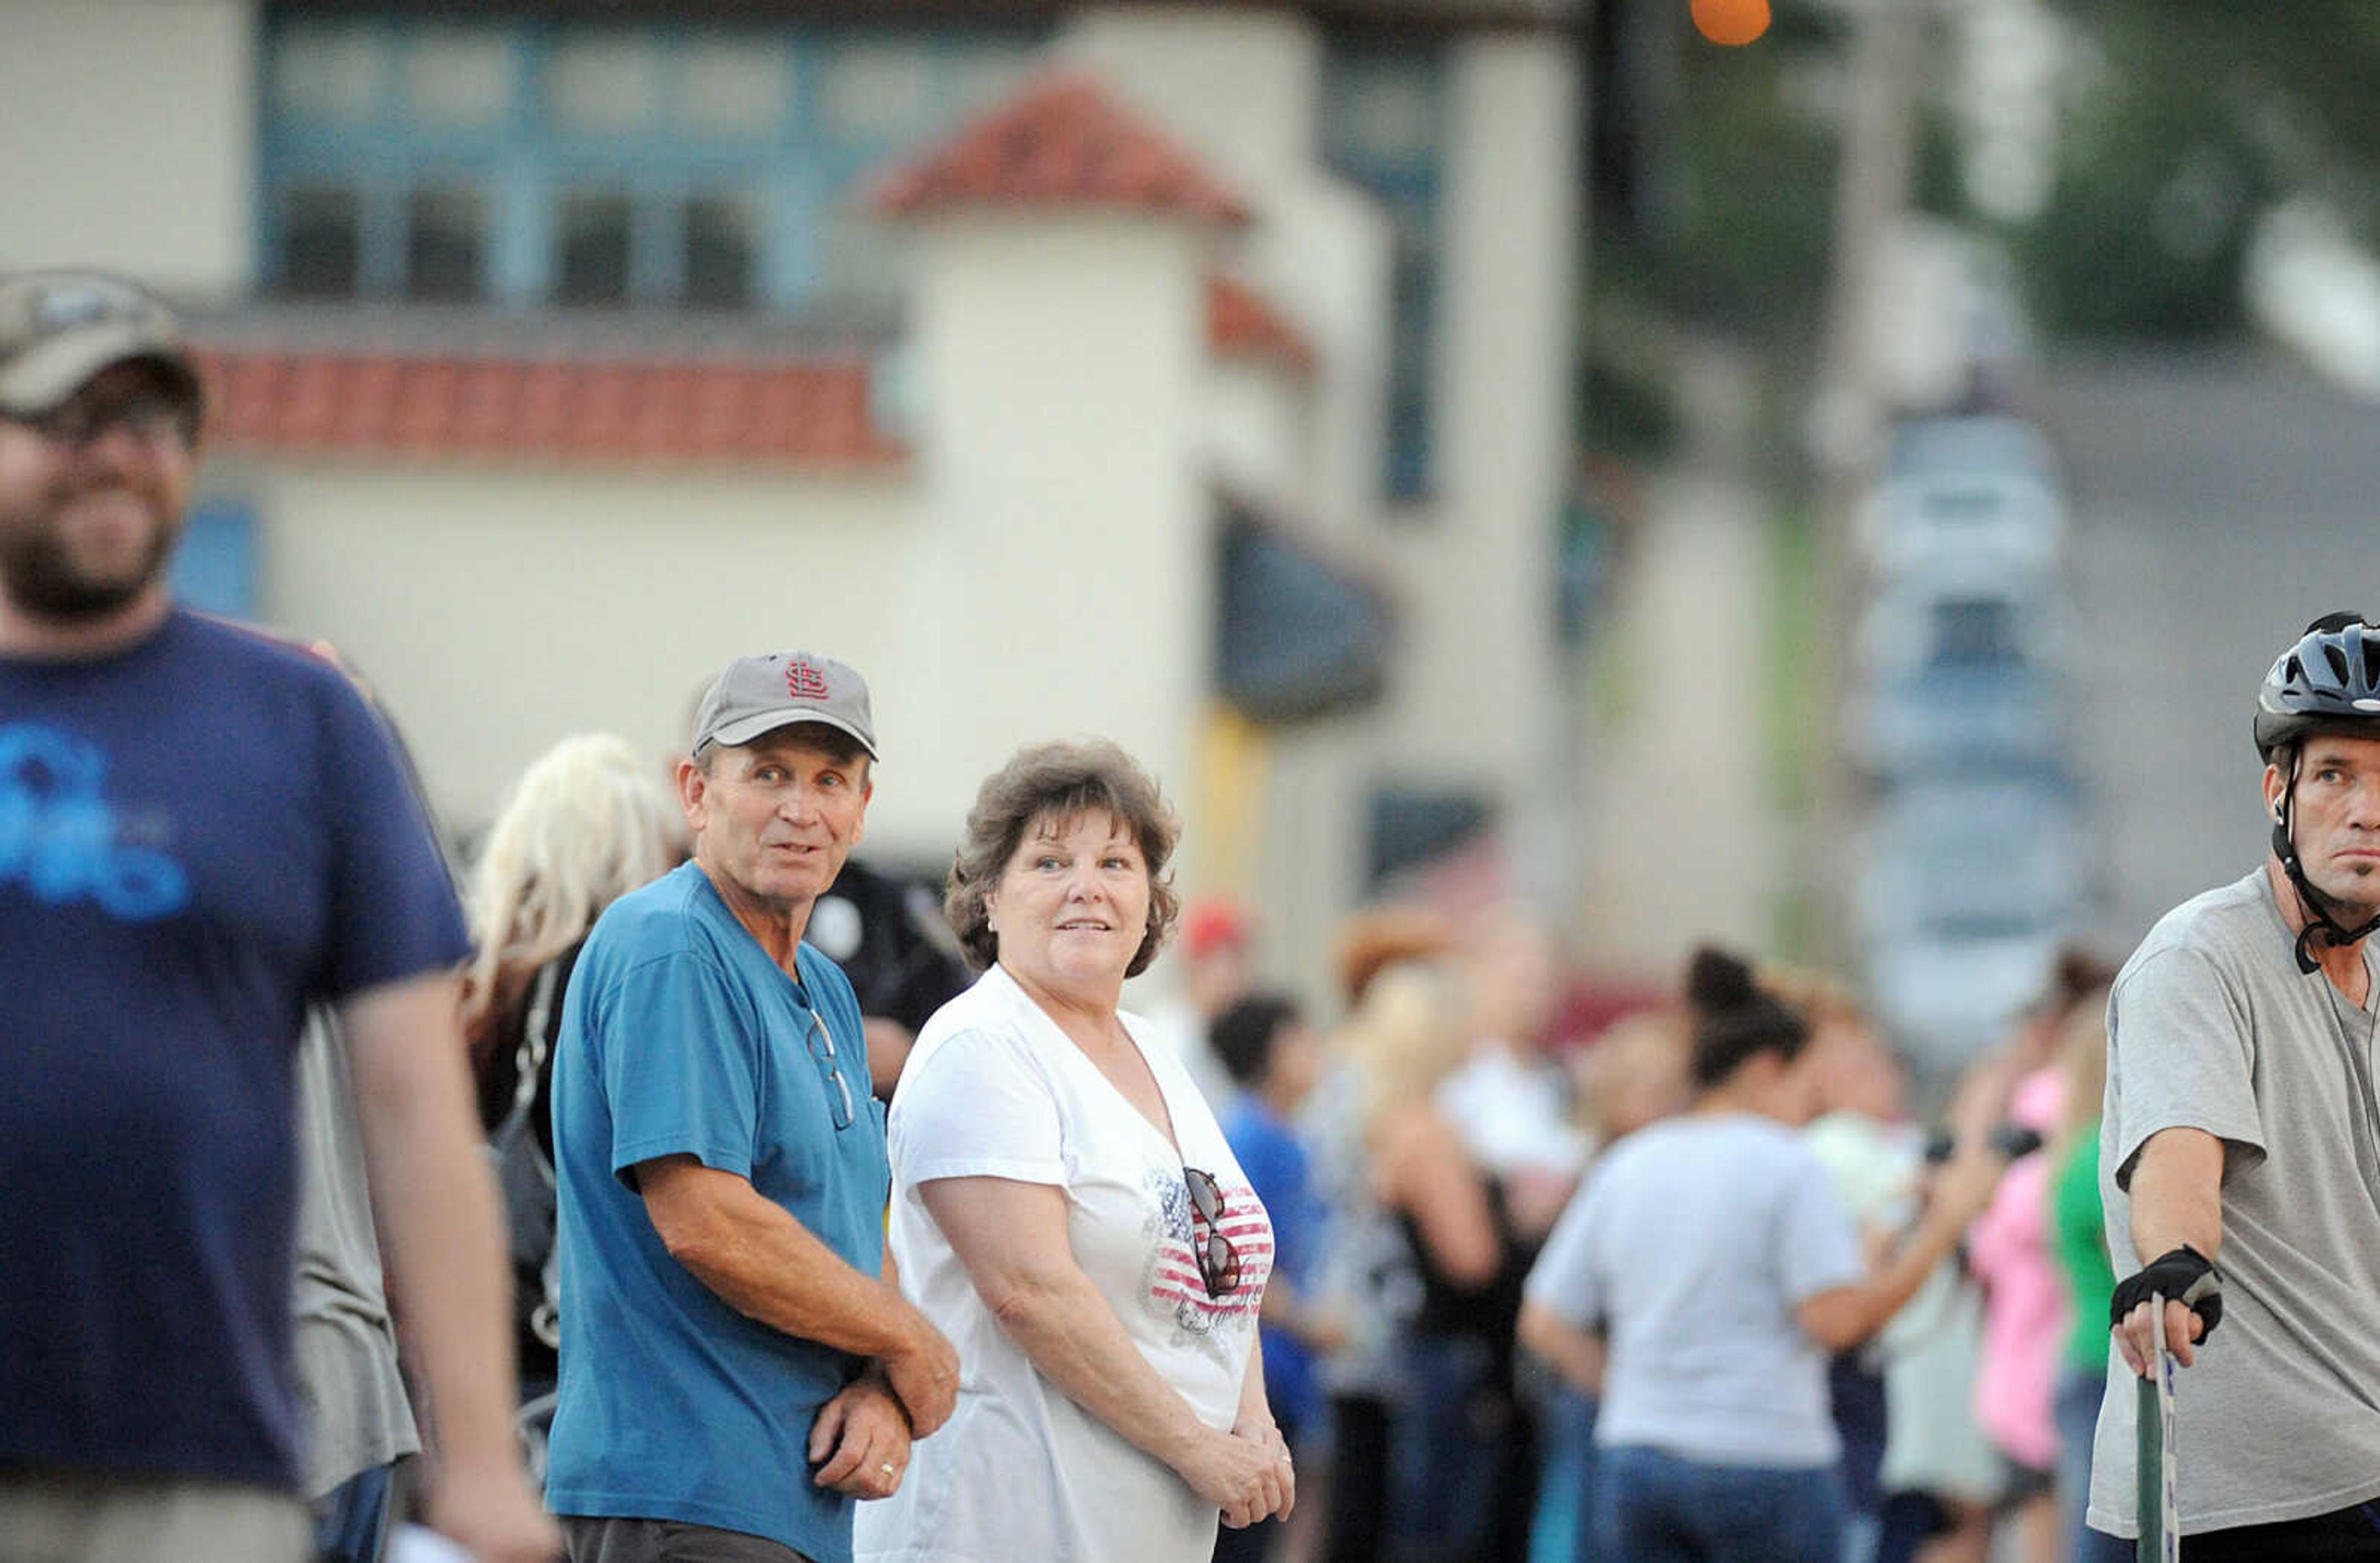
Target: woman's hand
1247	1479
1264	1433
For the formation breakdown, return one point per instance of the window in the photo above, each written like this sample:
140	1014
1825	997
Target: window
597	233
600	164
321	246
1384	110
445	245
722	252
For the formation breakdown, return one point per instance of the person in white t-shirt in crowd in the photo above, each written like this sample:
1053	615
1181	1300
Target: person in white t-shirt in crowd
1509	1101
1066	1209
1631	1074
1713	1256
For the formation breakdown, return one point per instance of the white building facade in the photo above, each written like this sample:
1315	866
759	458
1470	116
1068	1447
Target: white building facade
1200	378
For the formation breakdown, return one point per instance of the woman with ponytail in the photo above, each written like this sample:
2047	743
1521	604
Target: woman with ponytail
1700	1282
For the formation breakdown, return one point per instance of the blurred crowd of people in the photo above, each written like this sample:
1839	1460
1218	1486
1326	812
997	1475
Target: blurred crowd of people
1419	1148
1519	1265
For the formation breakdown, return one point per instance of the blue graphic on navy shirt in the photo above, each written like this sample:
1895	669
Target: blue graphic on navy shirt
61	839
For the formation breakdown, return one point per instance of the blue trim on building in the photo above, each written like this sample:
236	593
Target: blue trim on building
796	173
1406	179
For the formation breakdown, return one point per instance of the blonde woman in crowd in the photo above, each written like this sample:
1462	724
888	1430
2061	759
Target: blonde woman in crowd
1457	1436
586	823
1367	1274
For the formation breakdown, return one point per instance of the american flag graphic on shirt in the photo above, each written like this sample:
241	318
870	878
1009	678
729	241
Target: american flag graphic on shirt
1174	1283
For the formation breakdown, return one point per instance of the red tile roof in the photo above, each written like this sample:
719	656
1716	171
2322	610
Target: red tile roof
1240	323
811	413
1060	143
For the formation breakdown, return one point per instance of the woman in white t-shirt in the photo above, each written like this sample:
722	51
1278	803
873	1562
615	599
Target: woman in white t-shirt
1713	1256
1066	1211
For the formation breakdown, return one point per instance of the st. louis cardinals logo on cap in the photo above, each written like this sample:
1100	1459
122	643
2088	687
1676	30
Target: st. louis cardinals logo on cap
758	694
805	681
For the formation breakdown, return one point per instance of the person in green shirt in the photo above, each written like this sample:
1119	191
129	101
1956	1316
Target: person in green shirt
2078	1241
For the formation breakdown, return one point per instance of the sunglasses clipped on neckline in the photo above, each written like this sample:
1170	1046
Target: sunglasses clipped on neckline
1218	1261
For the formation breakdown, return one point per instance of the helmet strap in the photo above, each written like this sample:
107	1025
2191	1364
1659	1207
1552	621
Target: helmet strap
2323	922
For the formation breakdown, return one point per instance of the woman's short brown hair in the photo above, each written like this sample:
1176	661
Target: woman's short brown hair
1059	781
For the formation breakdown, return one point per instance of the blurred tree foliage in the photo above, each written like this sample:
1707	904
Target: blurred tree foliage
1712	203
2183	122
1730	228
2186	120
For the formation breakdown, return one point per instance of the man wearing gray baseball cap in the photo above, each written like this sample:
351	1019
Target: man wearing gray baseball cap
737	1367
207	830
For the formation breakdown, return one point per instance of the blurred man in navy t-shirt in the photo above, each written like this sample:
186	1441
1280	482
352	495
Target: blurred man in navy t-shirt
201	830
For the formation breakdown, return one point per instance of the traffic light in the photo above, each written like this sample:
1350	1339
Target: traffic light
1730	22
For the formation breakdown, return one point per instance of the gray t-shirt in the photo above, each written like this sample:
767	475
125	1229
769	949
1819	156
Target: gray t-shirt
349	1391
2211	1026
1695	1241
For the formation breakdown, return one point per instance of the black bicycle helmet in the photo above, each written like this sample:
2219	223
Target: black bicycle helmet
2328	682
2330	678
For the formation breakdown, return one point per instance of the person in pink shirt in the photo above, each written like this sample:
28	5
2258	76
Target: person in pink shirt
2026	1318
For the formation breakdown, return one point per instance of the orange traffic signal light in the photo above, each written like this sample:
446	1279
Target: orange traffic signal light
1731	21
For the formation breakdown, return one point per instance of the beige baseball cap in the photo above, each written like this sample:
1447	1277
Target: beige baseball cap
58	329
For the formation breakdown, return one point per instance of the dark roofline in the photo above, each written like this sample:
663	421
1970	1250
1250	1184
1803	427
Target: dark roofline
1402	16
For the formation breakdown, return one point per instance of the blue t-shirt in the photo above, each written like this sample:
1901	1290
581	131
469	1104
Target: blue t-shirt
680	1037
197	838
1275	1161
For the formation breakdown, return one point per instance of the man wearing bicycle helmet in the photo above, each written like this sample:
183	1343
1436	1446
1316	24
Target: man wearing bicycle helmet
2241	1143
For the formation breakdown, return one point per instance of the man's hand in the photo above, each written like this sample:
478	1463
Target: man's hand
926	1377
2136	1338
489	1511
2194	1295
442	1235
860	1441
